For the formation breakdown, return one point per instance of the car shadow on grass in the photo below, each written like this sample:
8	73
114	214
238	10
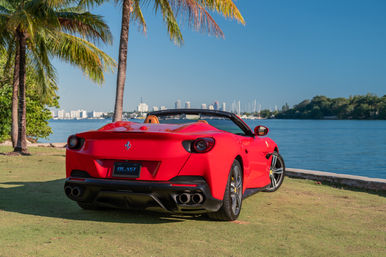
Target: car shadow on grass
47	199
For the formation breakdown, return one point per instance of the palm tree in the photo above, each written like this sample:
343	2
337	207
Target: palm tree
35	31
198	17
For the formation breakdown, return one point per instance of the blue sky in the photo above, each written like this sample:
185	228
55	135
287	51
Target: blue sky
288	51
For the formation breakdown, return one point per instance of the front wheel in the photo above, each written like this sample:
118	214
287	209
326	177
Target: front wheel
233	195
276	172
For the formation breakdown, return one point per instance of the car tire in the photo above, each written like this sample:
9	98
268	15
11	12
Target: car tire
88	206
233	196
276	172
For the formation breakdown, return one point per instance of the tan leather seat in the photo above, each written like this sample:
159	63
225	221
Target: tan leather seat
151	119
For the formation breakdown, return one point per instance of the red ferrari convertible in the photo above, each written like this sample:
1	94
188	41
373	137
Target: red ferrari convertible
181	161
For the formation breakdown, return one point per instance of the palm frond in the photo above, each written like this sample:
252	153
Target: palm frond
80	52
10	52
137	16
43	70
197	17
8	5
5	36
59	3
170	20
4	10
88	25
225	7
90	3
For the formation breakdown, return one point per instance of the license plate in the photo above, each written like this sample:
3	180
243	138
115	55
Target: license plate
127	169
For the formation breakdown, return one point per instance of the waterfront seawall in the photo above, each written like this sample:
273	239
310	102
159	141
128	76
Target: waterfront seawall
360	182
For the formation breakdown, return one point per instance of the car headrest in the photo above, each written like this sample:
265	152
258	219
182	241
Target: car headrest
151	119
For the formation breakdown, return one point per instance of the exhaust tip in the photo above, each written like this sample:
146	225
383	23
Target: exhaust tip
197	198
76	192
183	198
68	190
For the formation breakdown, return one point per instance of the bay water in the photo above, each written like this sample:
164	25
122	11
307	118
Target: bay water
356	147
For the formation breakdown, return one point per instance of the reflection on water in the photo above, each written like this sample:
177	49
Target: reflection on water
342	146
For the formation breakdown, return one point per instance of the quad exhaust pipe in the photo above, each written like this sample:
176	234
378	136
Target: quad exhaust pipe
197	198
187	198
183	198
74	192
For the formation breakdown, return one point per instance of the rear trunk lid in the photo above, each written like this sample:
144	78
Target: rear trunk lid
156	147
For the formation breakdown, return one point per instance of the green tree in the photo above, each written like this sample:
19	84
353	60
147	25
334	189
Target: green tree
195	12
40	29
382	108
265	113
37	108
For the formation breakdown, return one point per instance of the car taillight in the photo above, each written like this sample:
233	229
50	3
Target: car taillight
75	142
203	145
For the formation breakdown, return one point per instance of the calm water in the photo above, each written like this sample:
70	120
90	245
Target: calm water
341	146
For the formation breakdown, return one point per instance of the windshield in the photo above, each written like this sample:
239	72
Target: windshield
222	123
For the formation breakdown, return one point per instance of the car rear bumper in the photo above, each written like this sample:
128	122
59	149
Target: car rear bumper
134	194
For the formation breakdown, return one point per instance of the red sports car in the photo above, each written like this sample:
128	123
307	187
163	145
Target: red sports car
182	161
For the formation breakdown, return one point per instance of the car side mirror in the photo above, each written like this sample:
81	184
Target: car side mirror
261	131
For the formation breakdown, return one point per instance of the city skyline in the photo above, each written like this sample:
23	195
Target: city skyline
234	106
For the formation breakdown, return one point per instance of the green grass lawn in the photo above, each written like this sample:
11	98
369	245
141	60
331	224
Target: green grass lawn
301	219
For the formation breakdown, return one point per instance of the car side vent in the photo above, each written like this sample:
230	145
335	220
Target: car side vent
80	174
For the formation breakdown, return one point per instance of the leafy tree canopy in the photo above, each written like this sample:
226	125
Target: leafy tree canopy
367	106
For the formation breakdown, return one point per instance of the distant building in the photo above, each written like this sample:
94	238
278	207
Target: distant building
177	104
83	114
224	107
74	114
203	106
95	114
211	107
61	114
187	104
216	105
67	115
143	107
163	108
155	108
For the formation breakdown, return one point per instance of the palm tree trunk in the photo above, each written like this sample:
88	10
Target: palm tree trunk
21	145
121	77
15	95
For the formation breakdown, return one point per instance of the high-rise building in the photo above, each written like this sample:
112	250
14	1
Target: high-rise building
216	105
211	107
75	114
224	107
83	114
163	107
203	106
142	107
187	104
155	108
61	114
177	104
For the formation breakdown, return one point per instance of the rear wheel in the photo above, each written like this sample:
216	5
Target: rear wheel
276	172
232	201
